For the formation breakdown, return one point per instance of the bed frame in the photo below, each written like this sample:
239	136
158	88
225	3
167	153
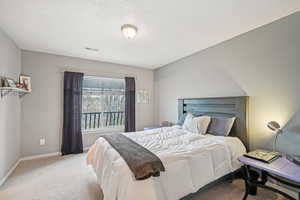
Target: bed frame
220	107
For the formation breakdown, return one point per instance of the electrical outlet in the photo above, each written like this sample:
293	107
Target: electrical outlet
42	141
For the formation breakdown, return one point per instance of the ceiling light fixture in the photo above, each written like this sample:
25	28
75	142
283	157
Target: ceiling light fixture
129	31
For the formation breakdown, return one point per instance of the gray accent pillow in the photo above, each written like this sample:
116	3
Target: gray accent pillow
220	126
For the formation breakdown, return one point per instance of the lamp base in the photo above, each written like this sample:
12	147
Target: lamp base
294	158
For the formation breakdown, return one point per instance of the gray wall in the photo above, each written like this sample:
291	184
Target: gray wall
263	64
42	109
10	58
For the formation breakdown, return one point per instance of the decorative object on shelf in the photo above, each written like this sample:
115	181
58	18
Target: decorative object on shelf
275	127
2	81
8	82
9	86
25	81
143	96
20	85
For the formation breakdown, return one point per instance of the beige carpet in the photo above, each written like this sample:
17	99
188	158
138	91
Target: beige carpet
68	178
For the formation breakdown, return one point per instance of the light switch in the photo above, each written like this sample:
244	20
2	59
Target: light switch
42	141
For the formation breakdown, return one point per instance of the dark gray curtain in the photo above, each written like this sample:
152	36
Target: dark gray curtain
129	104
72	138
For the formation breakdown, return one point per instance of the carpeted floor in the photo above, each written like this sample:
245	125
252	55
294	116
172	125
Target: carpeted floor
69	178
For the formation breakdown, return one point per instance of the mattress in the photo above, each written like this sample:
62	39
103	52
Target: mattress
191	161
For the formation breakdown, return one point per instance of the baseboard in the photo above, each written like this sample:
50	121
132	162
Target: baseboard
47	155
40	156
12	169
86	149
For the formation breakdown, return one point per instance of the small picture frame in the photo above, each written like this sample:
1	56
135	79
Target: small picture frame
25	81
8	82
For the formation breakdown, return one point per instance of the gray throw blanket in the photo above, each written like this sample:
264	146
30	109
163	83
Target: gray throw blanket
142	162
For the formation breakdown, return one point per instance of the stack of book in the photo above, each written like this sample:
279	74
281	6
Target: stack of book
264	156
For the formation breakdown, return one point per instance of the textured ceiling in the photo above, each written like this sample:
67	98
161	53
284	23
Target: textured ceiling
168	29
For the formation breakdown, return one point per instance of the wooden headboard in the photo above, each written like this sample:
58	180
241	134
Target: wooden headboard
220	107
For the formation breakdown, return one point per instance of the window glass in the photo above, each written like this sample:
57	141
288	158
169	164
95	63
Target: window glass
103	102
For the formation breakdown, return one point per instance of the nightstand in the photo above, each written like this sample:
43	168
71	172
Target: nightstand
256	174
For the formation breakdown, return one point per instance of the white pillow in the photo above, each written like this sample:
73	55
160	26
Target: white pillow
190	124
203	123
196	124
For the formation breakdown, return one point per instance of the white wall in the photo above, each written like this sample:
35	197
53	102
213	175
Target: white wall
42	109
10	66
263	64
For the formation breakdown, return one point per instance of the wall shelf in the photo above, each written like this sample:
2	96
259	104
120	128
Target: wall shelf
4	91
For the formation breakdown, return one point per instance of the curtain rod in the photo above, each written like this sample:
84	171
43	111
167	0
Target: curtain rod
105	74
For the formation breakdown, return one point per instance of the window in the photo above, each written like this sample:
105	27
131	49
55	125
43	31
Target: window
103	103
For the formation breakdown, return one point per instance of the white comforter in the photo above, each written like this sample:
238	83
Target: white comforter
191	161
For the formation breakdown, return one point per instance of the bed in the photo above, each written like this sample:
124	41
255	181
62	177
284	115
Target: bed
191	161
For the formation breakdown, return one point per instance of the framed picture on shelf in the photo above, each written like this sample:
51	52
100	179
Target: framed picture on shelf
25	81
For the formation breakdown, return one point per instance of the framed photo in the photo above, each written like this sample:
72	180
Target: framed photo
26	82
143	96
8	82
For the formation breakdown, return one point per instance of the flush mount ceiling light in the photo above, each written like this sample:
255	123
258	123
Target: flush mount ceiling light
129	31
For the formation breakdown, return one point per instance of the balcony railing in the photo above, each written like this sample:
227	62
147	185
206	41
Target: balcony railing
98	120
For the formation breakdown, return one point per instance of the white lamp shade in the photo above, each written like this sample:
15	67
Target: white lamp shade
274	126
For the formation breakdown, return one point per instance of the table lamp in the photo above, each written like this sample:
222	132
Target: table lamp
274	126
